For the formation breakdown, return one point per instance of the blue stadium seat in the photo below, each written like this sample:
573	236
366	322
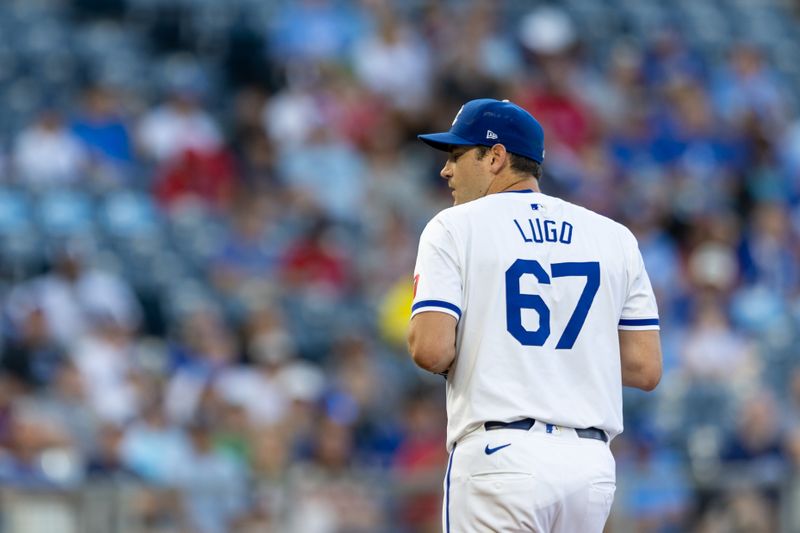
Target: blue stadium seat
65	213
128	214
15	212
20	249
196	234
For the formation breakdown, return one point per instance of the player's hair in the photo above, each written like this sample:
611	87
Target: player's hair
518	163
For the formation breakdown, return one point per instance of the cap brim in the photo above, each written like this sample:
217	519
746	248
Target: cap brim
443	141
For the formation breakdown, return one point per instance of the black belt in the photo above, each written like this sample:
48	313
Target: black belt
527	423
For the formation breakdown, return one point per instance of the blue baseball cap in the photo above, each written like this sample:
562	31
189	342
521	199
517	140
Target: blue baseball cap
487	122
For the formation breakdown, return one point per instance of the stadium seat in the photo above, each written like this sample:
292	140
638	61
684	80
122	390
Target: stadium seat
65	213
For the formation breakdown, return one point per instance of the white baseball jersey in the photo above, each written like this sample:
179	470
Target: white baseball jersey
539	287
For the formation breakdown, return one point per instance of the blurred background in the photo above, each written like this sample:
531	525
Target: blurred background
209	213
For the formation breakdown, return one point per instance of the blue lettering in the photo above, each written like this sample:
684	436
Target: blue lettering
524	238
566	233
550	232
537	237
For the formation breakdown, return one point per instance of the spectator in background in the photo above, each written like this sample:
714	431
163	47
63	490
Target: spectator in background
178	126
73	290
549	37
291	115
484	57
768	250
328	171
618	93
316	263
233	434
48	154
655	486
263	389
106	461
418	463
332	493
713	353
211	482
66	404
756	446
196	177
706	150
716	362
272	454
251	249
393	249
355	368
103	131
745	509
105	359
394	63
30	353
747	88
317	278
153	448
31	437
660	252
203	348
353	111
669	58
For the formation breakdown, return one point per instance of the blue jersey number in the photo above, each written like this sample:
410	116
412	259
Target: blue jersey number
516	301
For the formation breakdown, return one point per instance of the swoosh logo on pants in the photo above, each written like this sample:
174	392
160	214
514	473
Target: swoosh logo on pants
490	451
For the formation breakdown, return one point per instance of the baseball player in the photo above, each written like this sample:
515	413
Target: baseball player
537	311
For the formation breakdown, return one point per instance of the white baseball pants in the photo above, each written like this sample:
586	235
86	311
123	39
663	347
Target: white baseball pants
513	480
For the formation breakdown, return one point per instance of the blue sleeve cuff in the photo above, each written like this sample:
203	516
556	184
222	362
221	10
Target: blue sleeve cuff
638	323
433	305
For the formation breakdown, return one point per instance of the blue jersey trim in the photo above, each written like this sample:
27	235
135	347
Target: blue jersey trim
436	303
638	322
519	191
447	494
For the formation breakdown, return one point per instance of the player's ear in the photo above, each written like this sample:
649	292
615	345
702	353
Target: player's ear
499	156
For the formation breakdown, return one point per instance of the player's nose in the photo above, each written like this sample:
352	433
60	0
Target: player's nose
447	171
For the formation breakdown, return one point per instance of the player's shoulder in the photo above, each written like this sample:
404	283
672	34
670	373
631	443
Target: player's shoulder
450	216
597	220
484	208
440	225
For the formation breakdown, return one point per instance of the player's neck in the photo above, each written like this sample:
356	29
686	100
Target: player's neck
515	183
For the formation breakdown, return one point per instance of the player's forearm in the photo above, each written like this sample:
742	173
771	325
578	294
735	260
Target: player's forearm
645	382
432	362
432	341
436	359
640	355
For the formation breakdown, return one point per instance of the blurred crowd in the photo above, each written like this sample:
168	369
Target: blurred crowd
206	270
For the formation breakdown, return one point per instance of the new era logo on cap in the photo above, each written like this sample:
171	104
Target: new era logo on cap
485	121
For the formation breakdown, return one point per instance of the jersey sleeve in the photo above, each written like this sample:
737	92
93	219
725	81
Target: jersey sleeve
437	274
640	311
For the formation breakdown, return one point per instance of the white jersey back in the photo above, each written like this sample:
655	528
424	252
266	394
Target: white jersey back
540	287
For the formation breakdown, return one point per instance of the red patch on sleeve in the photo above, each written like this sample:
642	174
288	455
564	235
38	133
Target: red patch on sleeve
416	281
